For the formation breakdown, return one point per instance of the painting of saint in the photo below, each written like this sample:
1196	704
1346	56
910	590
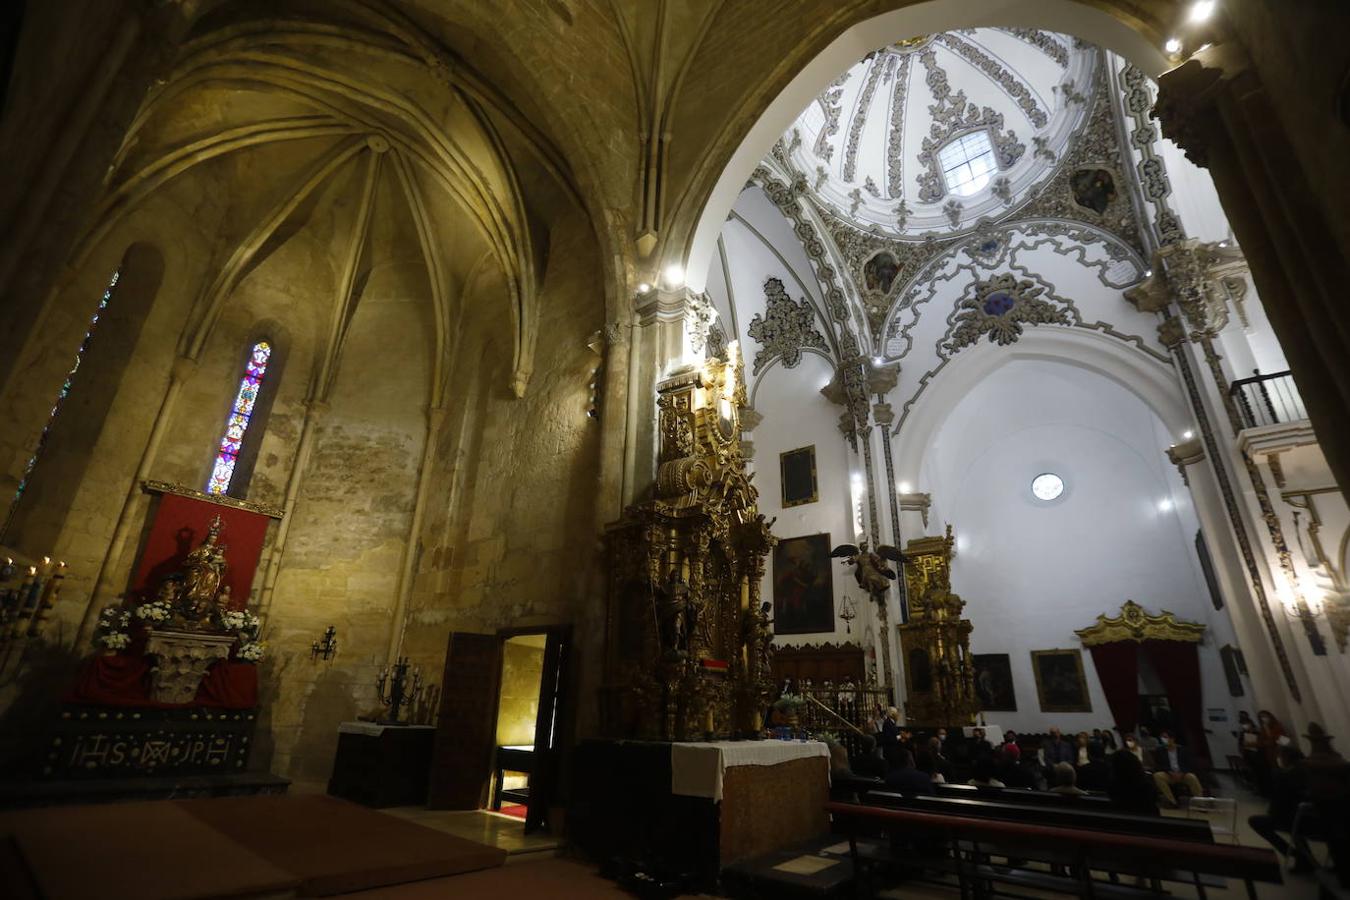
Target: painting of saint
880	272
1093	189
993	682
1059	681
803	585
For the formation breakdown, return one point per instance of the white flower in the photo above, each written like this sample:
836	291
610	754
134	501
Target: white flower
252	651
115	640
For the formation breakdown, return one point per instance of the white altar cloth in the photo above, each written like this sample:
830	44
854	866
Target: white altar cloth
696	768
992	733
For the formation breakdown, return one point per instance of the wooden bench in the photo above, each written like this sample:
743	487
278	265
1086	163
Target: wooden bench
1024	795
1189	830
965	843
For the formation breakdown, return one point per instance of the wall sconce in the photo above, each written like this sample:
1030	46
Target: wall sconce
326	647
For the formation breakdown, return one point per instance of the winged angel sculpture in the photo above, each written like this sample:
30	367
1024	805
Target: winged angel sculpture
869	567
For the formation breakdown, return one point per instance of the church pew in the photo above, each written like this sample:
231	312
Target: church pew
968	842
1189	830
1028	796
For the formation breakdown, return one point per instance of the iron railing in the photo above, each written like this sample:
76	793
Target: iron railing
1268	400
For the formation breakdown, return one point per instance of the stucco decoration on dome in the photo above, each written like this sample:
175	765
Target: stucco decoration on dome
872	144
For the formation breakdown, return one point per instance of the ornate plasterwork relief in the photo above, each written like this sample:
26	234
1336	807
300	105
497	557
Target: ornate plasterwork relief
999	308
787	327
1044	42
954	115
1143	136
1016	88
1206	280
855	125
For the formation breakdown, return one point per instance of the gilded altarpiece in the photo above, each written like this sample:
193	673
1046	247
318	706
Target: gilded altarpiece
689	641
935	643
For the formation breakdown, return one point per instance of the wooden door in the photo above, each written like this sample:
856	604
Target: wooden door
548	728
466	726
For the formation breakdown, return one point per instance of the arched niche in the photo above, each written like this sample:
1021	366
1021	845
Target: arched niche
70	446
1151	381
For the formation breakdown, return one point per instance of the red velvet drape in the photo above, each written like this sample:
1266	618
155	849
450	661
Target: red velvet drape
1178	665
124	680
1117	667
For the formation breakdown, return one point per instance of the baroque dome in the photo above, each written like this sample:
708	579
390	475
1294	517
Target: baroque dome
931	134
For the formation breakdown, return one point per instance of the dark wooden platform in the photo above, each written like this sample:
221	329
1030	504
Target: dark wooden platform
30	794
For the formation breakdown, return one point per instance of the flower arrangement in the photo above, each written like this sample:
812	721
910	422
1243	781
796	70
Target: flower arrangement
251	651
240	622
155	612
112	630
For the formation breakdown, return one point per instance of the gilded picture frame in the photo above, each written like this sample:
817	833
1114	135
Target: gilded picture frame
1061	686
797	476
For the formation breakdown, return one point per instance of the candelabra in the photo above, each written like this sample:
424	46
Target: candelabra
326	647
24	607
399	685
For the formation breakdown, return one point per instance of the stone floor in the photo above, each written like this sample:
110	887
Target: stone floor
494	829
537	856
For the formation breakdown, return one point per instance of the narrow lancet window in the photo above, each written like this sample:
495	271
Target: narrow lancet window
236	426
62	394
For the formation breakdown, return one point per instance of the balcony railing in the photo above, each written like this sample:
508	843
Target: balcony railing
1268	400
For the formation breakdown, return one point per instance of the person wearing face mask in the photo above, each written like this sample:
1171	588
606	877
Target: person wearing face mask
1132	747
1173	766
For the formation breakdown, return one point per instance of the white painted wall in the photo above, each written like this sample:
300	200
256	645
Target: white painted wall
1032	572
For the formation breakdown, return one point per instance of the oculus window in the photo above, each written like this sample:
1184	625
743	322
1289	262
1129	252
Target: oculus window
1047	486
967	163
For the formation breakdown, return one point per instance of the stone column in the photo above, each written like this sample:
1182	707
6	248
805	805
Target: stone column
1216	108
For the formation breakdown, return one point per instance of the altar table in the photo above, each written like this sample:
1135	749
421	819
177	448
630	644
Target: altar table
694	808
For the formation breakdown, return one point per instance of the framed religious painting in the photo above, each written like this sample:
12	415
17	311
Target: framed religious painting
1060	684
993	682
798	476
803	585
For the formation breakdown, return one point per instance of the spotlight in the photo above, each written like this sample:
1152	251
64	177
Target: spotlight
1201	10
1148	273
876	360
1187	434
1172	46
643	287
905	487
1165	505
674	275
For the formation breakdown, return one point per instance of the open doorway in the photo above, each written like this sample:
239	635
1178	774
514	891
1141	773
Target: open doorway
529	701
500	728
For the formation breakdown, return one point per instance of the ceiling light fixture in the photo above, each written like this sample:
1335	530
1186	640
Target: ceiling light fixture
643	287
1187	434
1172	46
674	275
876	360
1201	10
1165	505
905	487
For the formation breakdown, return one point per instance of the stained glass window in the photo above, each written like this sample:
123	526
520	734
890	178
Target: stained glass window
236	426
63	393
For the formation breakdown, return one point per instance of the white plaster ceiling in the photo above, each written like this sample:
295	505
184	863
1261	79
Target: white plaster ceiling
861	143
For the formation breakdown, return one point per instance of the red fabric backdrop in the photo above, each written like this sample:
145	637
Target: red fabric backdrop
181	524
1178	665
125	681
1117	667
